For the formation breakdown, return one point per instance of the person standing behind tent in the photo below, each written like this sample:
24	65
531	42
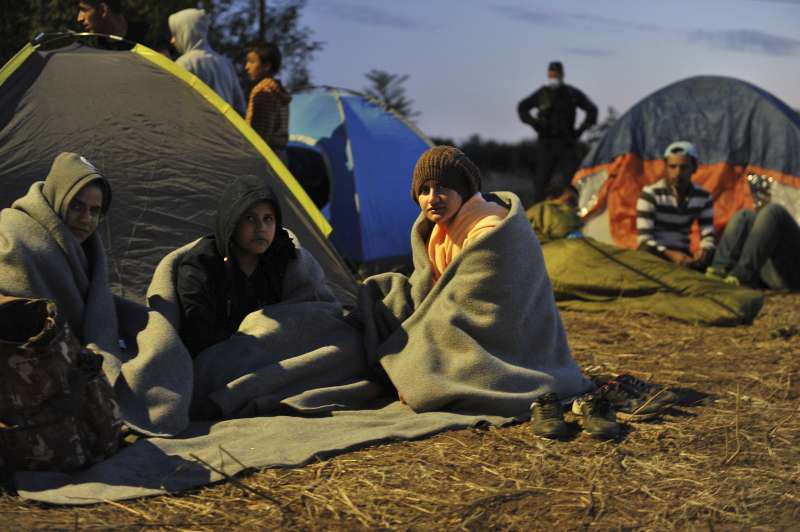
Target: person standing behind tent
268	106
189	29
556	146
667	209
108	17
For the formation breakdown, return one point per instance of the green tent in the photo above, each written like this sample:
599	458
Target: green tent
165	140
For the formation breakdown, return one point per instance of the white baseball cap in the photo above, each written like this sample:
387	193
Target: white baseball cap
682	147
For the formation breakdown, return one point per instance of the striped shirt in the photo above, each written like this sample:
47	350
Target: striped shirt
662	224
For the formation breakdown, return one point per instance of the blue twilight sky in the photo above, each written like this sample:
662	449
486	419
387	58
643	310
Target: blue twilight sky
471	61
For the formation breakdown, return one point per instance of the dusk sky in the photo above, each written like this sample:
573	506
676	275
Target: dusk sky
471	61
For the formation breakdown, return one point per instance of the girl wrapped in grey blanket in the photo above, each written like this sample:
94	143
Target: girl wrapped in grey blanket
475	328
49	248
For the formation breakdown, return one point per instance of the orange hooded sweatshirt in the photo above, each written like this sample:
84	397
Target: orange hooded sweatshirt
476	217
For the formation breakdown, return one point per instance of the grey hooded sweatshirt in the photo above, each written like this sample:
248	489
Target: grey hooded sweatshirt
190	29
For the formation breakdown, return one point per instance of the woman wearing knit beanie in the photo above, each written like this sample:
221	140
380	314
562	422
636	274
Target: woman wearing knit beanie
446	184
475	327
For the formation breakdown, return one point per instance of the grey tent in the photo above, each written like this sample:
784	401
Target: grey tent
167	143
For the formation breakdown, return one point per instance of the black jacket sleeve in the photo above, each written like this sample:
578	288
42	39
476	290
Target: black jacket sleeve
200	324
587	106
525	107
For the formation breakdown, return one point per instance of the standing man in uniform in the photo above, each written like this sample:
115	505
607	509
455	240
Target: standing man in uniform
554	123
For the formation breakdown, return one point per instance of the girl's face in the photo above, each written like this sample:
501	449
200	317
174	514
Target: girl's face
256	228
439	204
84	211
256	70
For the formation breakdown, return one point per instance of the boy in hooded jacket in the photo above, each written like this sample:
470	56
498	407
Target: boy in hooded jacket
189	29
237	270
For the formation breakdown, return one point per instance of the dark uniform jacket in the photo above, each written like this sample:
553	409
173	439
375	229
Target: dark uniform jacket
214	293
556	116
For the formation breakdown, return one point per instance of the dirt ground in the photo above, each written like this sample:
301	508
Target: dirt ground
727	458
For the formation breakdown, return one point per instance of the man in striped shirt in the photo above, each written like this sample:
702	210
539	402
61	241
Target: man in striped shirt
667	208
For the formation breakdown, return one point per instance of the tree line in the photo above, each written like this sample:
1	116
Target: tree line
234	25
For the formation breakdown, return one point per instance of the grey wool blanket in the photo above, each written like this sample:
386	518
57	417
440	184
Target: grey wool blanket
288	354
455	360
297	361
143	357
485	338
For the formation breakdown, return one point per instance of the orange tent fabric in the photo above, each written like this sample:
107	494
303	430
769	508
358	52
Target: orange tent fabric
738	128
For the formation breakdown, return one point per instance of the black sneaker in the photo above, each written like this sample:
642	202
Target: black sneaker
599	418
547	417
648	390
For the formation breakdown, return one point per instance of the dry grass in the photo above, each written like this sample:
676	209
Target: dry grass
729	458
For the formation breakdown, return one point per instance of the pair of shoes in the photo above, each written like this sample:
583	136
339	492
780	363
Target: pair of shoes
598	416
633	399
714	273
648	390
547	417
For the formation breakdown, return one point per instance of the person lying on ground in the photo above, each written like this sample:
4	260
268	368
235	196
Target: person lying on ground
666	210
760	249
475	327
50	249
189	29
557	216
268	106
240	268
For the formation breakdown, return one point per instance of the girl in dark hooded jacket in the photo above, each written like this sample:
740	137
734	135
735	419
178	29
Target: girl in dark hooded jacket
237	270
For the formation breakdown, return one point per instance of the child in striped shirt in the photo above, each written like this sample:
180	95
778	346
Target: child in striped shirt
667	208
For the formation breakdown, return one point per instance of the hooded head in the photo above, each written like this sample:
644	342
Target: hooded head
189	28
237	198
448	167
69	173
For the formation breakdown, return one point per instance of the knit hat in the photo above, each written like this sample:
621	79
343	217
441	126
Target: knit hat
448	167
555	66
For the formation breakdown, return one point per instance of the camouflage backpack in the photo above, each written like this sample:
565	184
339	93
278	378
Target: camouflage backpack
57	410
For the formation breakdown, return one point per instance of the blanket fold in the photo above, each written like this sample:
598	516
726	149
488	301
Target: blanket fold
486	337
143	357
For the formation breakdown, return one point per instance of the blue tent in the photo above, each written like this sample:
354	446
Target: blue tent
355	159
